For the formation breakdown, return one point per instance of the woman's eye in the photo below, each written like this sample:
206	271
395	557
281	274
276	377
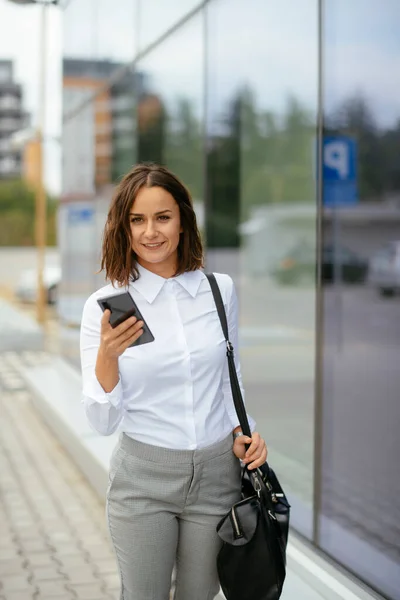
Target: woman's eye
164	217
135	219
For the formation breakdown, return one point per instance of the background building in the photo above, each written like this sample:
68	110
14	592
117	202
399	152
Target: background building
12	119
283	120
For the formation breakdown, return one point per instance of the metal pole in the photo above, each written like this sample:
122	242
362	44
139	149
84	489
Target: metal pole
320	314
40	216
337	274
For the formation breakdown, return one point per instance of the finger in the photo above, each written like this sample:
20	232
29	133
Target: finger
243	439
130	340
256	453
254	456
125	325
105	317
260	461
254	444
129	333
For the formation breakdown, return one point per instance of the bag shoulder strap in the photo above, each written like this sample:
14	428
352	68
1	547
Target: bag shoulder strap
219	304
235	387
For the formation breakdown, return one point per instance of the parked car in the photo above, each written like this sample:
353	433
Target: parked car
26	288
299	265
384	269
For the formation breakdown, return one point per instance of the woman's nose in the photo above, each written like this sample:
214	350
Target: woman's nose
150	229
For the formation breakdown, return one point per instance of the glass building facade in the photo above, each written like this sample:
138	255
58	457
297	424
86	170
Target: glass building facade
283	118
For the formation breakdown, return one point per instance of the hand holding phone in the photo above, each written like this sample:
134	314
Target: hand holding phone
115	340
122	325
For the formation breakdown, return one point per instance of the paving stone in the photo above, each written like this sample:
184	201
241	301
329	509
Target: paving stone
8	553
35	545
41	559
11	567
61	550
27	534
6	541
71	561
17	596
16	583
88	592
50	573
63	537
83	577
53	589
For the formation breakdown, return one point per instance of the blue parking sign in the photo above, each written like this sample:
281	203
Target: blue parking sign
79	215
340	171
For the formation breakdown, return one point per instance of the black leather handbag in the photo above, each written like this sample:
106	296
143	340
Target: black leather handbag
252	561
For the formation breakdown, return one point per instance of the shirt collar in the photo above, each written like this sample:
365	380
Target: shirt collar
149	284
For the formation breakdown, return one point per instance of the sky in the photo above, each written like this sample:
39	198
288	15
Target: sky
275	52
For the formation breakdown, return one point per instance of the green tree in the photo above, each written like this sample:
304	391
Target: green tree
17	215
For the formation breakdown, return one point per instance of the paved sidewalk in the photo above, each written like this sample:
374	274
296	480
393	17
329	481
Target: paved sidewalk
53	538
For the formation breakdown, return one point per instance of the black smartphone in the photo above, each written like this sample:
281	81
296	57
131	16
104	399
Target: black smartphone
123	306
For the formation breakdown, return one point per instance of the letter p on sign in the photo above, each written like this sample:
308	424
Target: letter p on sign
336	157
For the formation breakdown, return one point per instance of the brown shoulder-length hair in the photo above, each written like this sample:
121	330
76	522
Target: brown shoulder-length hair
118	259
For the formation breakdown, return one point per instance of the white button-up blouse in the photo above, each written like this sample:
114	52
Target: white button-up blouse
173	392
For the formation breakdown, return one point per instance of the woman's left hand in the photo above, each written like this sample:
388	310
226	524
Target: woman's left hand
257	453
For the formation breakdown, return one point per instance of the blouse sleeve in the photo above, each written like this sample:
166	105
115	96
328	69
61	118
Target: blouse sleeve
233	326
104	410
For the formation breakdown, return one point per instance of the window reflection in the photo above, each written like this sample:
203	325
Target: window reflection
262	214
361	445
101	30
155	17
170	108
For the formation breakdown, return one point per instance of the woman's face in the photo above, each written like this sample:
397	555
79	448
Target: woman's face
155	230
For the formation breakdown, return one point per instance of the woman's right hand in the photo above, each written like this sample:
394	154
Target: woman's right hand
114	341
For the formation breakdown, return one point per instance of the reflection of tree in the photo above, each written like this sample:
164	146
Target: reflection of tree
184	148
151	120
223	181
276	154
259	159
172	136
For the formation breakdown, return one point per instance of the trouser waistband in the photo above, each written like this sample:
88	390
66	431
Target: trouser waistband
169	456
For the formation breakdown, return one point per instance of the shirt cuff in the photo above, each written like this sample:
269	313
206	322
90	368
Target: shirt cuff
95	393
235	422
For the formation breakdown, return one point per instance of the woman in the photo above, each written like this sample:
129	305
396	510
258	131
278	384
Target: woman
175	471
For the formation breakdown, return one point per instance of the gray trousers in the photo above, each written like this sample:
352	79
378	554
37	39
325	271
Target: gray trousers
163	507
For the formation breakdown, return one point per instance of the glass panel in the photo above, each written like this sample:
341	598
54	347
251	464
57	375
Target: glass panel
261	126
155	17
101	30
360	511
99	143
170	107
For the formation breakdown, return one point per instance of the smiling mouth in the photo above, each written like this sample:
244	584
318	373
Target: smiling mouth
153	246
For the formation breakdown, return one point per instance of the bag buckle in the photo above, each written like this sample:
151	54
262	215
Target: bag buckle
229	348
257	484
